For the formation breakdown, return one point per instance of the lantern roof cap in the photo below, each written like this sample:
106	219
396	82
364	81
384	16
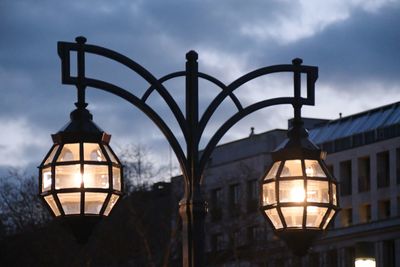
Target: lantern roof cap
81	128
297	146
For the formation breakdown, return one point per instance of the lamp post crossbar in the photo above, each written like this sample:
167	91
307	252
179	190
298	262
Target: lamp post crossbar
192	163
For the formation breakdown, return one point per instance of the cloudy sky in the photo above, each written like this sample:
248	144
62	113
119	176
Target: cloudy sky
355	44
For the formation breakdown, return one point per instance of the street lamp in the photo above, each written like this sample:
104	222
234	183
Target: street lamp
80	178
192	207
298	194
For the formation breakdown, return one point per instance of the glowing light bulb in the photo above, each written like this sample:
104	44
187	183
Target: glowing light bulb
78	178
365	263
297	194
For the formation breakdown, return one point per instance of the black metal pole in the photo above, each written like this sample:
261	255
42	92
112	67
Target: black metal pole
192	208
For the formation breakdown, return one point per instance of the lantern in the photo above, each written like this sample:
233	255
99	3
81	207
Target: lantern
80	178
298	194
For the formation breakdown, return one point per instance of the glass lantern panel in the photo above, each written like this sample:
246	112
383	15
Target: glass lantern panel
315	215
94	202
291	191
69	152
334	194
92	152
51	156
269	196
46	179
292	168
95	176
111	203
313	169
274	169
293	216
116	178
52	204
328	219
70	202
317	191
68	176
274	217
110	154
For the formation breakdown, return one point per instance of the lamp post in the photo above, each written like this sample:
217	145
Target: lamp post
192	207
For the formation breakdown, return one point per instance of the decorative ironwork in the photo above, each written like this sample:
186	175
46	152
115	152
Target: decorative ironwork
192	163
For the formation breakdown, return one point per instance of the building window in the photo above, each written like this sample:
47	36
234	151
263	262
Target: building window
358	140
349	256
345	178
389	253
332	258
314	259
234	200
217	242
384	209
365	213
364	177
216	204
398	206
382	168
252	196
346	217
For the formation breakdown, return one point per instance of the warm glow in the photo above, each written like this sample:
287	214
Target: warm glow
291	191
315	216
78	177
309	171
46	179
313	169
292	168
91	179
293	216
370	262
297	194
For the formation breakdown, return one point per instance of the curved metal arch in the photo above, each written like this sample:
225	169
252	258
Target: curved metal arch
220	84
312	75
63	52
212	143
134	100
207	77
170	76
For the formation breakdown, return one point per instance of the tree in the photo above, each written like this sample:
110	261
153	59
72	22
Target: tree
20	207
139	168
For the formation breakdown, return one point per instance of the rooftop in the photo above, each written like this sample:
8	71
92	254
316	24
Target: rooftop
358	129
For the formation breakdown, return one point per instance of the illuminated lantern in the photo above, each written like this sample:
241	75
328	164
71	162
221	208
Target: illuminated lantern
80	178
298	194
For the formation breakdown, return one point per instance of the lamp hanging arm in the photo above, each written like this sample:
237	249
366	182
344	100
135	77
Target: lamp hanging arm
80	85
297	122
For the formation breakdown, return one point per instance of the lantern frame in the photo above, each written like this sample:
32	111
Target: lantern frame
298	147
81	131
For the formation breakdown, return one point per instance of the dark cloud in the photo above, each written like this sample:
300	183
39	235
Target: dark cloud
362	46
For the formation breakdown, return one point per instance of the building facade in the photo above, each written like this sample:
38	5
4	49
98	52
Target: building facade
363	154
